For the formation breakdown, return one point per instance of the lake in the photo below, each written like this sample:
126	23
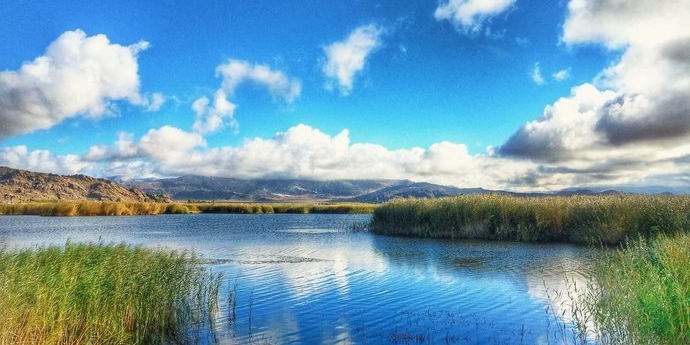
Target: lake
310	279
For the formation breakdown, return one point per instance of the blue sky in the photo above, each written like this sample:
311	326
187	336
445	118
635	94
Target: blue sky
467	79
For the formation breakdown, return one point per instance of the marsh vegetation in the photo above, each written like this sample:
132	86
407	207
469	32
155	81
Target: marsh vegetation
113	208
103	294
637	294
577	219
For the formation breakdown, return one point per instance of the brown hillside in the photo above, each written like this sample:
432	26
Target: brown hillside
21	185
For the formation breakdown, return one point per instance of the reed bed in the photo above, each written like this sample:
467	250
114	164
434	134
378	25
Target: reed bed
638	295
103	294
644	292
112	208
85	208
336	208
579	219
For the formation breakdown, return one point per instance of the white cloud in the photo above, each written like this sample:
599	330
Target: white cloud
123	148
155	102
307	153
169	143
561	75
164	144
470	15
78	75
633	121
566	127
236	72
537	78
301	152
19	157
645	95
210	119
345	59
214	117
619	24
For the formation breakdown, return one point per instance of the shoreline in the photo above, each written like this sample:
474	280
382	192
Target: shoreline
115	208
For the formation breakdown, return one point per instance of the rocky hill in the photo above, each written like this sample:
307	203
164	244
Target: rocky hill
21	185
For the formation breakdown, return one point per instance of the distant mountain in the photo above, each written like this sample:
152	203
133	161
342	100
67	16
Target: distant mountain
571	192
21	185
192	187
407	189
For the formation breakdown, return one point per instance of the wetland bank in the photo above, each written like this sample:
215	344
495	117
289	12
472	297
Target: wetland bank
309	278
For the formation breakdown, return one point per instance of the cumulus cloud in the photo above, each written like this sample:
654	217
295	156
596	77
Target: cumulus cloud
78	75
300	152
162	144
566	127
20	157
537	78
213	116
470	15
347	58
307	153
637	111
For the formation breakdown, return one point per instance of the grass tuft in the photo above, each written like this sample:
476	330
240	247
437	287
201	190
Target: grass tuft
638	294
643	291
103	294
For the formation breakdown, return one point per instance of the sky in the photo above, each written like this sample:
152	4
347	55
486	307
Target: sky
502	94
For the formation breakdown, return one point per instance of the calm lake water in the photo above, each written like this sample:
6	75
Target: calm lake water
308	279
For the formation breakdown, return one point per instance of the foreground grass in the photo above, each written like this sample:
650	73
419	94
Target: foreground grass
103	294
577	219
639	294
110	208
644	292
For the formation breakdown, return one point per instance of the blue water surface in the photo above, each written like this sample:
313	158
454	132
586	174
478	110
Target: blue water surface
310	279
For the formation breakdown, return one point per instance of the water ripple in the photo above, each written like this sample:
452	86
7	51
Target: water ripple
304	279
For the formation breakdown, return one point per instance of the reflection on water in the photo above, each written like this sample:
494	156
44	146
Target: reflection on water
306	279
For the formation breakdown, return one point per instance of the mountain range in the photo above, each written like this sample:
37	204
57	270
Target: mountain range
192	187
21	185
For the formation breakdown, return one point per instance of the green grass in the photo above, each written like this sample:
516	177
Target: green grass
644	292
638	294
578	219
108	208
103	294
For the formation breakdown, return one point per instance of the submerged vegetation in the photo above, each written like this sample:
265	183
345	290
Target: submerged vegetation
103	294
112	208
579	219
